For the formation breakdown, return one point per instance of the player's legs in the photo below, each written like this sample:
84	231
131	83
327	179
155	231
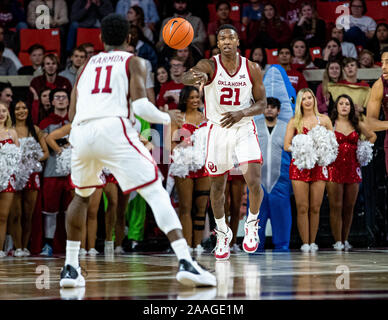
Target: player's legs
185	187
167	220
237	187
317	189
252	176
89	232
350	198
335	192
201	198
301	192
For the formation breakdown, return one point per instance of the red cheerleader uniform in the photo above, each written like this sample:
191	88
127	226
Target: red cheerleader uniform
308	175
346	169
33	183
11	182
190	128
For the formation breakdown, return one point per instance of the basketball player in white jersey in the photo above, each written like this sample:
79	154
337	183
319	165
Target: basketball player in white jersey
234	93
103	135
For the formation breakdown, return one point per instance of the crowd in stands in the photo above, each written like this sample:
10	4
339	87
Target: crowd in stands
291	33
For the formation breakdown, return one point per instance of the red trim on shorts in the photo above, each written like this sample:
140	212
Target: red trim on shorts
220	174
156	168
238	69
249	73
129	93
252	161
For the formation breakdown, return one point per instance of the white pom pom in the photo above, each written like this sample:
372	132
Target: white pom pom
10	157
303	152
63	166
325	145
364	152
181	158
31	152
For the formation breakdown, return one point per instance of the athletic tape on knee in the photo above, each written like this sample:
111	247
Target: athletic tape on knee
84	193
159	201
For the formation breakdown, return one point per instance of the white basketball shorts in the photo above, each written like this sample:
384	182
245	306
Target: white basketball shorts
227	148
112	143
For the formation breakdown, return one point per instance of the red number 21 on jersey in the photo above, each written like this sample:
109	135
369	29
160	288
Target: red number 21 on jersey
230	96
107	88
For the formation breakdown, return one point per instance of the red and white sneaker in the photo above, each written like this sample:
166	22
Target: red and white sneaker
251	239
222	249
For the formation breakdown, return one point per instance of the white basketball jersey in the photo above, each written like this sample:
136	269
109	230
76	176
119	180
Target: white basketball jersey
103	87
227	92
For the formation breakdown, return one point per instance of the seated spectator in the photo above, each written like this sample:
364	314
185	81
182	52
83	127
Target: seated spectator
149	80
161	77
223	9
296	78
7	67
77	59
12	15
36	52
6	94
309	27
332	74
270	31
8	53
187	55
360	27
135	16
169	92
252	12
366	59
86	14
151	16
41	106
259	56
379	41
50	77
290	11
181	10
301	58
348	48
89	48
143	47
332	51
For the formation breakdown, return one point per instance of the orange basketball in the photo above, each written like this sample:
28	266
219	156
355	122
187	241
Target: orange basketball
178	33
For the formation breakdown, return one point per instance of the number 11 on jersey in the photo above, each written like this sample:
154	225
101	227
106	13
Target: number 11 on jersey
107	88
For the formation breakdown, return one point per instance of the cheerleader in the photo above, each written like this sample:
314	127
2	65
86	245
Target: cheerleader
308	184
345	172
7	136
27	186
195	184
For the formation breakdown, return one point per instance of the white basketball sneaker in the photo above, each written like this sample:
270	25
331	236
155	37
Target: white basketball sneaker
222	249
71	277
193	275
251	239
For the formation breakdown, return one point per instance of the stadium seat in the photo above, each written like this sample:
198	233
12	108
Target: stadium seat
49	38
315	52
235	13
326	10
272	56
247	53
91	35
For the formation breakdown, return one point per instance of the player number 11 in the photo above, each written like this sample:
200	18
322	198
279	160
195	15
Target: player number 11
107	88
230	96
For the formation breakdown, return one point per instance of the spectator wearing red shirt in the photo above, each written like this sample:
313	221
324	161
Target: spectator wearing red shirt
50	78
223	9
289	10
169	92
297	79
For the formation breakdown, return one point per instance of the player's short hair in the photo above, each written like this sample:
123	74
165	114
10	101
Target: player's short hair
36	46
226	26
273	102
114	29
54	91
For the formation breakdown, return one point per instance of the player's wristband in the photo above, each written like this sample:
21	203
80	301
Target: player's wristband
146	110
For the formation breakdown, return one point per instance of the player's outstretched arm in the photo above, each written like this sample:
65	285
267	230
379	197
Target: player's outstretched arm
373	108
199	74
140	103
258	92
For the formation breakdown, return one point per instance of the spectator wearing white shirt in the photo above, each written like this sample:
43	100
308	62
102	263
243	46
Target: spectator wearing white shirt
348	48
7	67
8	53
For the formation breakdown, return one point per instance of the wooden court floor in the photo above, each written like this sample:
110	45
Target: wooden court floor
357	274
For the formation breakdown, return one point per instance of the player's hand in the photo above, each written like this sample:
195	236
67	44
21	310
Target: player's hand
176	116
230	118
200	78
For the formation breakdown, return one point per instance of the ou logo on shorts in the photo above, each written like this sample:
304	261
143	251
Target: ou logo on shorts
37	181
358	170
212	167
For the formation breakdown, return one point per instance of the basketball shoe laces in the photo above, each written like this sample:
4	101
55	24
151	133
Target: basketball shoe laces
220	234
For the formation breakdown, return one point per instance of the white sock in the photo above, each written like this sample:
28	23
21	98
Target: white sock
181	249
221	224
72	251
252	216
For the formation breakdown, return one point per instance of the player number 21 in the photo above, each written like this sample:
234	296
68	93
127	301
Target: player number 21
107	88
230	96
